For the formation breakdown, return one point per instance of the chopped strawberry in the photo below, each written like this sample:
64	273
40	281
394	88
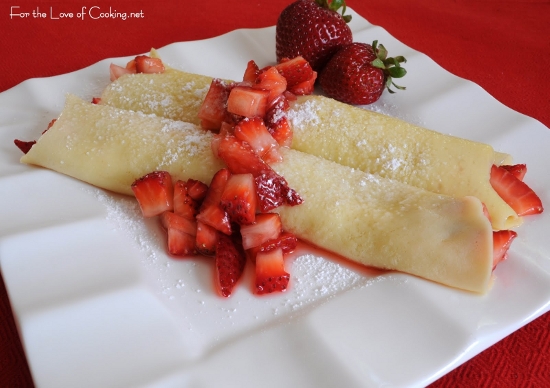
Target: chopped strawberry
196	189
295	70
251	73
184	204
230	261
247	101
277	122
518	170
282	132
502	240
131	65
169	219
286	241
304	88
211	213
270	272
117	71
206	239
181	233
299	75
272	189
154	193
24	146
514	192
213	110
239	198
267	226
270	79
96	100
254	132
148	65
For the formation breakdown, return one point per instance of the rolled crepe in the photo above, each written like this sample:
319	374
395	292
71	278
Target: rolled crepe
355	137
366	218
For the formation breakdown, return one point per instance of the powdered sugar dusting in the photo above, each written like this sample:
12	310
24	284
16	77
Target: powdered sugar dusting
305	116
124	213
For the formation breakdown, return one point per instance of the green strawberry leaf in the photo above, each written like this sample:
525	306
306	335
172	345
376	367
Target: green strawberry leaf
378	63
335	5
397	72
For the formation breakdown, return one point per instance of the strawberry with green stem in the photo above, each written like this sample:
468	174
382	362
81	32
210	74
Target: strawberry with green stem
313	29
358	73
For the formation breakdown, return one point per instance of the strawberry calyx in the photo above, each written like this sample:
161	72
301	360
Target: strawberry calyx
335	5
391	66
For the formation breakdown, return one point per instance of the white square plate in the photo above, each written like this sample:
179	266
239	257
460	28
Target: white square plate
99	303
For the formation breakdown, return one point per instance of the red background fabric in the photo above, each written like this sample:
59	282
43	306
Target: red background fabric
504	46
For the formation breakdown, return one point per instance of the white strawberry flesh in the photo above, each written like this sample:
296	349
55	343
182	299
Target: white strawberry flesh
247	102
267	227
181	233
211	212
154	193
239	198
254	132
148	65
270	272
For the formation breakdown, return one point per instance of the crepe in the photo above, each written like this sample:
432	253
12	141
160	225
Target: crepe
348	135
366	218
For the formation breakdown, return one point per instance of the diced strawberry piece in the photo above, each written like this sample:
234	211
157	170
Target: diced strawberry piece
270	79
286	241
24	146
230	260
148	65
206	239
296	70
254	132
272	189
239	157
282	132
184	204
267	226
117	71
502	240
514	192
154	193
96	100
290	96
247	101
518	170
213	110
169	219
181	233
270	272
211	213
239	198
251	73
304	88
277	122
196	189
131	65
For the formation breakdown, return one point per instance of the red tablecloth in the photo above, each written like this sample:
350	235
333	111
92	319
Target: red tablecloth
504	46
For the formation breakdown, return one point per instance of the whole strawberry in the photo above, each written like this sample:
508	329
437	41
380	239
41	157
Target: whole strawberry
358	73
313	29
